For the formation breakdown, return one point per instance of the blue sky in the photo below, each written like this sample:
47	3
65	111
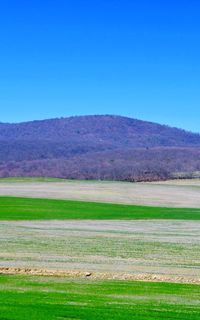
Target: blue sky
134	58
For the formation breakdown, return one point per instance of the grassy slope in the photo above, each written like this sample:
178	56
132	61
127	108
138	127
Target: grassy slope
12	208
50	179
31	179
26	297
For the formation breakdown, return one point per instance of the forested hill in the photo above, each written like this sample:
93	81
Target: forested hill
114	131
103	147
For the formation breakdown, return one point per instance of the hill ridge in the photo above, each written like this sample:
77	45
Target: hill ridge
96	116
103	143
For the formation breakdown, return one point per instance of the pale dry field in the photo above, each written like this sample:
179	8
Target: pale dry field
177	193
156	248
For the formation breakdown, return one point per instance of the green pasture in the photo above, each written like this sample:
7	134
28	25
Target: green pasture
42	298
12	208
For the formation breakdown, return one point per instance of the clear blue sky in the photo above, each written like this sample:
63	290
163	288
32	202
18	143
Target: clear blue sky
133	58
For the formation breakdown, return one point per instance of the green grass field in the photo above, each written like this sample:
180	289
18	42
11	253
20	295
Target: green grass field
38	298
42	298
12	208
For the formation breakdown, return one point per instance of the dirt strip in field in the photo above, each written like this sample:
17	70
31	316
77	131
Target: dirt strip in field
182	193
97	275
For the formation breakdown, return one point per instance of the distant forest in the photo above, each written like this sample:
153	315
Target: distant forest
98	147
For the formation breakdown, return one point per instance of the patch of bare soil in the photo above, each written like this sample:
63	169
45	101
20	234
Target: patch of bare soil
97	275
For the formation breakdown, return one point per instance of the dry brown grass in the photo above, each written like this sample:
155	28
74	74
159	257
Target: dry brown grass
130	249
182	193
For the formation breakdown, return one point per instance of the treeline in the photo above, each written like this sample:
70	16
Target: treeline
130	165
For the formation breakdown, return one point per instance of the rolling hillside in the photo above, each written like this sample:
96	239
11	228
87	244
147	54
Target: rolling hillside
97	147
